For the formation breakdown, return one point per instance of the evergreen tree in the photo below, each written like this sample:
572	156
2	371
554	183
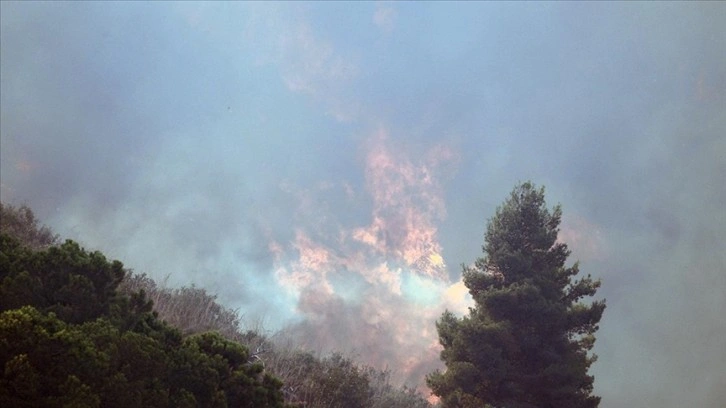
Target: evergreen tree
69	339
525	343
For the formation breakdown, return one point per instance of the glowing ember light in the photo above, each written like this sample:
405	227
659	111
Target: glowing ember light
375	290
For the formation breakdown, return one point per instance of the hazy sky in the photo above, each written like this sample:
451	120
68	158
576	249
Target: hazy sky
329	166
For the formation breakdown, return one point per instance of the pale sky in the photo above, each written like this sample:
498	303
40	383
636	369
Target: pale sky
327	167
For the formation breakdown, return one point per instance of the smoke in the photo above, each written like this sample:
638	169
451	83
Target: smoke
374	290
229	145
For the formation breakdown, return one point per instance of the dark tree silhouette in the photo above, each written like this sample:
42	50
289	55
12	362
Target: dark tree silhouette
526	342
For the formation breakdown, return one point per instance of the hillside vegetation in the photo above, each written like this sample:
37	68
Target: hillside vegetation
78	330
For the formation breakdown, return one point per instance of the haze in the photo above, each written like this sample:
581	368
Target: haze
326	167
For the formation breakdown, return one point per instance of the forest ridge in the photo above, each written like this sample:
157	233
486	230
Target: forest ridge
79	330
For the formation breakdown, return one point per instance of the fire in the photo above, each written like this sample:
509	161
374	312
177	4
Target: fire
394	264
436	260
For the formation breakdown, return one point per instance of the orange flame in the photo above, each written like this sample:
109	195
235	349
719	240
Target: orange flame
400	241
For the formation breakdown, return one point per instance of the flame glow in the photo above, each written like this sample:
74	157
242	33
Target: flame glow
376	290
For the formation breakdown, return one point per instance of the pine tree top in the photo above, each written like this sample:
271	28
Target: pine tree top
525	342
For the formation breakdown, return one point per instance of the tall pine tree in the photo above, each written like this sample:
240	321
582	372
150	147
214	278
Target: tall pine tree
526	341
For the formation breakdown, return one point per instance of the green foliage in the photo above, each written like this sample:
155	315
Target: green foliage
308	380
526	341
68	339
228	377
68	281
111	332
337	381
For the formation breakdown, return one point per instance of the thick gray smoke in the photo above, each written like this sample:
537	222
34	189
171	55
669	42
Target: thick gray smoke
327	167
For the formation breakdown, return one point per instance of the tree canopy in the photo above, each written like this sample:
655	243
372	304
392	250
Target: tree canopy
68	338
77	330
526	342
